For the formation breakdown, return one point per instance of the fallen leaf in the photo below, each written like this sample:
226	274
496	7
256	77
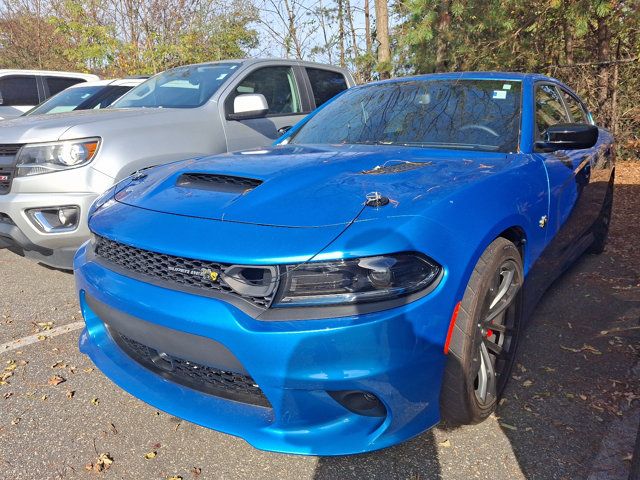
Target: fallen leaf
88	370
582	396
70	394
527	383
45	325
7	395
42	337
196	471
549	369
510	427
44	397
445	444
103	463
150	455
174	477
56	380
585	347
15	421
95	401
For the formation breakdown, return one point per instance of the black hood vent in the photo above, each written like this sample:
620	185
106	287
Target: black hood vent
217	183
398	167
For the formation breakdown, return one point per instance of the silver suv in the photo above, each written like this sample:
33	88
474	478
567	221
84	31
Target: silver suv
52	167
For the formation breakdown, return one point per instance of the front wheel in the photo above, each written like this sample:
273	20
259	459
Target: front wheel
485	336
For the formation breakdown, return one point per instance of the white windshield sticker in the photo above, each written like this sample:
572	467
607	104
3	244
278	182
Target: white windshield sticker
506	86
499	94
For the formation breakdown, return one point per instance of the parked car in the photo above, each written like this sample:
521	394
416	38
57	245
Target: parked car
20	90
344	290
52	167
86	96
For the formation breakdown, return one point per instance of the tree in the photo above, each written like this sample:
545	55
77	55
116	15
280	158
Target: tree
382	35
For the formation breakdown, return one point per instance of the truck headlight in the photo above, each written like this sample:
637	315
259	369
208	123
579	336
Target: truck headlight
366	279
38	158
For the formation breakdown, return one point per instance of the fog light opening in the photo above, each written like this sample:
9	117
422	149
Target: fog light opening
55	219
359	402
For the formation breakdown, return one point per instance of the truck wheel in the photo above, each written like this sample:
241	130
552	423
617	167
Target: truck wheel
485	336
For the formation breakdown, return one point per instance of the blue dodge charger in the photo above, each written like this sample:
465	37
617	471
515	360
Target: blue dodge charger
345	289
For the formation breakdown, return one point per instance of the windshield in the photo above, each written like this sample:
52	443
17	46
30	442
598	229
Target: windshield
65	101
457	114
183	87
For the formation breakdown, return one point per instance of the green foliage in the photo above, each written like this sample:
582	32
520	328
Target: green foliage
119	37
565	38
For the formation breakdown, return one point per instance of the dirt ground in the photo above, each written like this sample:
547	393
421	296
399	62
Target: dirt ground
571	410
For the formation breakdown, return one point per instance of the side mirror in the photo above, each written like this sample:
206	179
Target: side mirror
249	105
568	136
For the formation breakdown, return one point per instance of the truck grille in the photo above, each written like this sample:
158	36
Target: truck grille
8	154
178	273
229	385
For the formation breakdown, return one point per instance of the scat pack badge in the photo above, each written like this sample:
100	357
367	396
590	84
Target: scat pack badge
202	272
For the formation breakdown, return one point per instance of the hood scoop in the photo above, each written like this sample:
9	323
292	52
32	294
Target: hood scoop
214	182
400	166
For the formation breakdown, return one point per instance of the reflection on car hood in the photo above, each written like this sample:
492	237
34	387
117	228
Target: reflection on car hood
308	186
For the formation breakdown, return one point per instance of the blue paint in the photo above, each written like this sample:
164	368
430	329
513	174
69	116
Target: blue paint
310	207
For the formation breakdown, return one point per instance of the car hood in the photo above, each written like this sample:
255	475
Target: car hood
51	127
307	186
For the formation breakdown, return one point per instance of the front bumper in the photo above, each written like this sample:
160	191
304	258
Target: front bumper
19	234
395	354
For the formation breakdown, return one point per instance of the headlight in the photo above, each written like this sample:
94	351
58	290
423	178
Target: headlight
359	280
38	158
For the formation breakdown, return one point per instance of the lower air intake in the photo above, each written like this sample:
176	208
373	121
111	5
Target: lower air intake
210	380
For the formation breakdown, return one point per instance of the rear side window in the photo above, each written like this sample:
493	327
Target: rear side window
325	84
577	112
106	97
57	84
18	90
549	108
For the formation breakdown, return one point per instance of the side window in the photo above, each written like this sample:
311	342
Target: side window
549	108
278	86
57	84
18	90
576	110
325	84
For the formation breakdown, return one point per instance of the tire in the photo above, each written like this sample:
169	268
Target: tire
461	399
600	228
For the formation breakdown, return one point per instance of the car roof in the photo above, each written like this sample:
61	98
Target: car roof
51	73
482	75
127	82
252	61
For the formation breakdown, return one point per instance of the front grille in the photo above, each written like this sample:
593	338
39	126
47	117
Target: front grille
8	151
221	383
173	272
218	183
